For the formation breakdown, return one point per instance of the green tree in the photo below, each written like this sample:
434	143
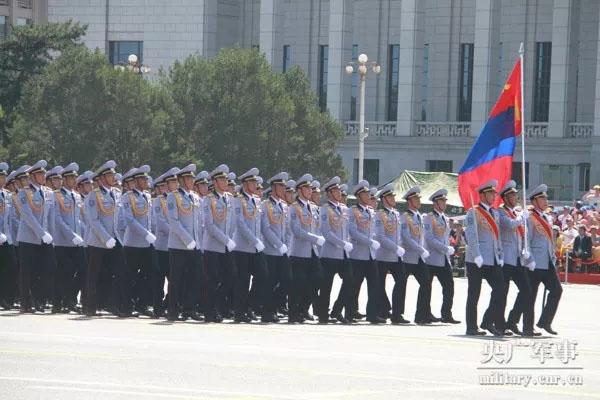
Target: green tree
237	111
25	53
80	108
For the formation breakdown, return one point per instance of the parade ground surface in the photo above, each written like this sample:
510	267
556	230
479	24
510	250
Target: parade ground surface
70	357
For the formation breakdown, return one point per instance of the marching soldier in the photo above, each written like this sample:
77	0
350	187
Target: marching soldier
219	220
512	235
389	256
413	238
248	257
160	228
304	253
362	256
543	258
105	251
8	261
484	259
137	242
437	241
68	241
274	230
335	254
185	223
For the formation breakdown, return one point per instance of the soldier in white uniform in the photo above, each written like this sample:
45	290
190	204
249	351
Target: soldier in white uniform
335	254
8	261
437	242
484	260
543	258
413	239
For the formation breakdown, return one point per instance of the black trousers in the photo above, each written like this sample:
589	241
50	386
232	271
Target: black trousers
185	265
8	274
523	304
280	281
493	275
219	274
367	269
444	276
421	273
137	280
101	289
344	269
68	262
307	277
549	277
398	293
248	264
36	262
161	260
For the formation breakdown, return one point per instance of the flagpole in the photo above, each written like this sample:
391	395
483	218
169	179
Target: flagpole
522	111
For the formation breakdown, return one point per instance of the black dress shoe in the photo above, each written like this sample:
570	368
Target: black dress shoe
252	316
423	321
488	326
434	319
308	316
450	320
514	329
376	320
548	328
358	315
507	332
26	310
172	318
400	320
531	333
269	317
241	319
192	315
475	332
55	310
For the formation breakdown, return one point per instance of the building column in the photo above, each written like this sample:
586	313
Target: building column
339	85
271	35
485	62
595	161
410	65
209	29
563	67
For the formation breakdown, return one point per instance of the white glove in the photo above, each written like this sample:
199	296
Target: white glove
501	263
478	261
348	247
400	251
230	245
259	245
3	238
320	240
375	245
110	243
425	255
150	238
531	266
47	238
191	245
525	214
450	251
526	254
283	249
77	240
520	218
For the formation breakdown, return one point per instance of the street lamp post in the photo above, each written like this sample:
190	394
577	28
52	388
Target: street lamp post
363	64
133	65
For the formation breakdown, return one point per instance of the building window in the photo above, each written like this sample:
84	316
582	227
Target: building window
541	89
256	47
559	179
517	175
23	21
120	51
465	86
370	171
355	79
584	177
24	4
323	65
439	165
286	57
392	93
3	27
425	82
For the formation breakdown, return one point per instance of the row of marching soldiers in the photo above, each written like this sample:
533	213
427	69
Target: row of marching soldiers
227	253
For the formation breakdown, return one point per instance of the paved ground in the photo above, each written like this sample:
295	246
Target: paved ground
67	357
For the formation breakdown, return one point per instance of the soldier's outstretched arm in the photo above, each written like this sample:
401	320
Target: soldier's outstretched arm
94	219
357	234
297	228
267	230
433	242
471	233
209	223
326	231
408	239
129	219
381	236
240	223
59	220
27	214
174	222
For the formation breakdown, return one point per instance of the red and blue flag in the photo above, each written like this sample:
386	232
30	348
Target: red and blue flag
491	156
